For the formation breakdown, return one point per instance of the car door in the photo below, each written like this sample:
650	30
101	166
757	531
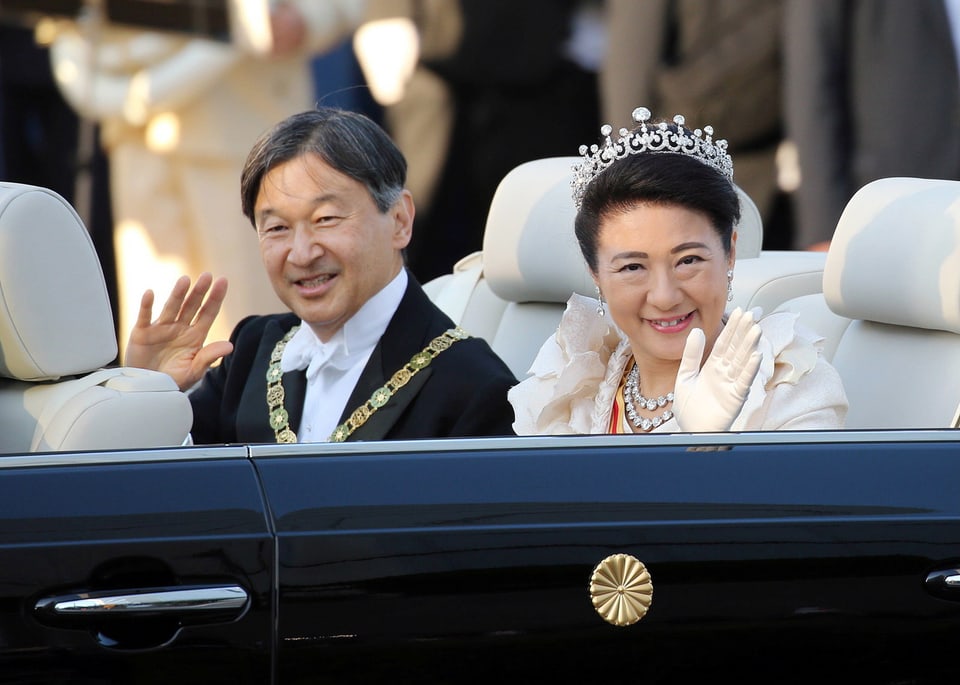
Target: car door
772	557
134	567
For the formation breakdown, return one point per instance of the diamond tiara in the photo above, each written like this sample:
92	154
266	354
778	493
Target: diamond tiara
654	138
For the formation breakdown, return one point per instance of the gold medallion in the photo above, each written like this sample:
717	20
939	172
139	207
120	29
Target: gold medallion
279	418
420	360
621	589
381	396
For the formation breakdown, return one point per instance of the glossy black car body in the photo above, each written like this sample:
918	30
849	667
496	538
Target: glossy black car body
778	557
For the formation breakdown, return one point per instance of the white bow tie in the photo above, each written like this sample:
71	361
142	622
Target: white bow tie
305	351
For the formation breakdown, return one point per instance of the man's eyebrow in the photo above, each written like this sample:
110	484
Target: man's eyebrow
630	254
264	214
319	199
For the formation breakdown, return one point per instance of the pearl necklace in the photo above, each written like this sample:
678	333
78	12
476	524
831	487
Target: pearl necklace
633	399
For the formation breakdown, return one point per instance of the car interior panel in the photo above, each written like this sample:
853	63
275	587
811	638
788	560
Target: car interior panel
57	339
890	308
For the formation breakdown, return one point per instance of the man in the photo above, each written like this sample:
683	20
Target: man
872	91
364	354
171	106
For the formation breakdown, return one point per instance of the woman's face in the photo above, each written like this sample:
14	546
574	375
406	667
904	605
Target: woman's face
663	271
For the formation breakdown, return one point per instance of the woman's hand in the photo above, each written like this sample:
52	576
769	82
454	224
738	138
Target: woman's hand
173	343
708	399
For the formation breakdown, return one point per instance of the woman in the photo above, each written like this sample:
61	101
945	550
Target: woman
656	220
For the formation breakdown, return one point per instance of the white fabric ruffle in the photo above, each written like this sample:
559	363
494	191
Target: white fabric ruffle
577	372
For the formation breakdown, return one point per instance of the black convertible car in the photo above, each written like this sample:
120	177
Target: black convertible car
755	558
780	557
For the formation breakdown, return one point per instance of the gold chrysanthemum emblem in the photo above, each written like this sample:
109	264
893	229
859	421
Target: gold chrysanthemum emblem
621	589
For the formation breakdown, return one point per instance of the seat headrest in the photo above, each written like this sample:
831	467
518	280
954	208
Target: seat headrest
895	256
530	253
55	315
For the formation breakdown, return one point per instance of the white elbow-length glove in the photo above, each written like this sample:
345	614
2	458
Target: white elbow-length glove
708	399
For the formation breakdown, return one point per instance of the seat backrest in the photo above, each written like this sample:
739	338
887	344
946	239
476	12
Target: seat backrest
892	286
514	292
814	313
56	334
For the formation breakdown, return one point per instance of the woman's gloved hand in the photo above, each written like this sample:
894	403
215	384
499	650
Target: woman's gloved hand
709	398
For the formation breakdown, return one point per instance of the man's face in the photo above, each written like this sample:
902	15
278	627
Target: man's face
326	247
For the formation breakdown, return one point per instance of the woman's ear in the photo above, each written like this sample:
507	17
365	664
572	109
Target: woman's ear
733	249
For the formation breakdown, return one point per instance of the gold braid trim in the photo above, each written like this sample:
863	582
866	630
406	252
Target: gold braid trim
280	420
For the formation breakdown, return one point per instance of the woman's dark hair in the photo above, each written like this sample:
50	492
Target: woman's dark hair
656	178
346	141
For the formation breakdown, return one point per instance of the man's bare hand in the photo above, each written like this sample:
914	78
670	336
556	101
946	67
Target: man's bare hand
174	342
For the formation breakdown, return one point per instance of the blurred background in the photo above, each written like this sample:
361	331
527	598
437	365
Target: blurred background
141	112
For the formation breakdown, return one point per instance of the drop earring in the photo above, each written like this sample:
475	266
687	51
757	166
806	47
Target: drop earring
730	285
601	311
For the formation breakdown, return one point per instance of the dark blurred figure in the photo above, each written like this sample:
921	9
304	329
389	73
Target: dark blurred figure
39	130
41	140
499	83
872	91
717	62
340	83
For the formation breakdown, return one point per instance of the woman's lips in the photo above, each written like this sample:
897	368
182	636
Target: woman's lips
672	325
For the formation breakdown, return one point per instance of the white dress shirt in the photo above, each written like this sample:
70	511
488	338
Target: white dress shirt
334	367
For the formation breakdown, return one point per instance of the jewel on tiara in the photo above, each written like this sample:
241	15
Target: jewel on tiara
696	143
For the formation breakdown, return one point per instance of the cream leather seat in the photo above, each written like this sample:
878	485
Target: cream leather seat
513	293
56	335
890	308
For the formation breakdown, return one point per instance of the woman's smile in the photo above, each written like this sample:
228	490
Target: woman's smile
674	325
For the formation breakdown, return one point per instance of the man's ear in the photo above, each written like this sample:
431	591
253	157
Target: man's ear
403	212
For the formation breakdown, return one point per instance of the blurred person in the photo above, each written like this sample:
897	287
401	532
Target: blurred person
176	112
44	143
856	72
716	60
362	353
656	221
496	83
39	129
339	81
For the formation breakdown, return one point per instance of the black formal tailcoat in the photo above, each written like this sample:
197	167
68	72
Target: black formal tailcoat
463	392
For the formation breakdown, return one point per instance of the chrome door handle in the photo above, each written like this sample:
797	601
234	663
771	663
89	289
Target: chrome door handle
146	601
944	583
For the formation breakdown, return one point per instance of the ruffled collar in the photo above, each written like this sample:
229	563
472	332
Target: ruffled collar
563	394
788	352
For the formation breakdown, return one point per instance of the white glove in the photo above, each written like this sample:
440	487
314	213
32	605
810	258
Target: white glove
708	399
